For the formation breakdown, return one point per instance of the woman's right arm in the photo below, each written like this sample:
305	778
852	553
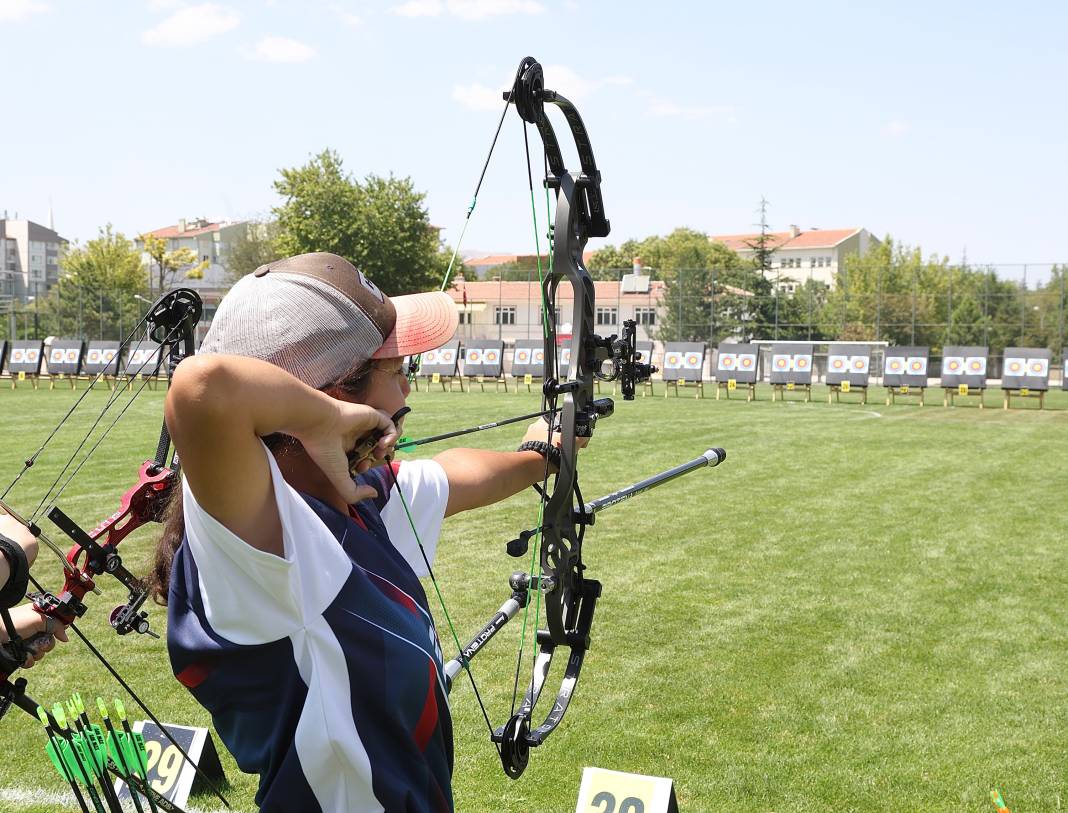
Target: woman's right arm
218	407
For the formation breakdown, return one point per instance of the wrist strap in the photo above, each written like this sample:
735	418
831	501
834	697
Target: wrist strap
551	453
15	590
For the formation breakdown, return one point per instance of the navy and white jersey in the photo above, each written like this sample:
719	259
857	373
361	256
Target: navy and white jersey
321	668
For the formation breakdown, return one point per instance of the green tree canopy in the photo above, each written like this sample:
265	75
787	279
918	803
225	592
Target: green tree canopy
379	224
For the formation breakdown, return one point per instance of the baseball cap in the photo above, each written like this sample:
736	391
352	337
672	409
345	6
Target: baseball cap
318	318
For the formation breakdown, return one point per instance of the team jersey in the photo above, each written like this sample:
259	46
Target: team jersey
321	668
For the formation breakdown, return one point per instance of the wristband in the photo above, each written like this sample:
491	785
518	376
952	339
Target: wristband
550	453
15	590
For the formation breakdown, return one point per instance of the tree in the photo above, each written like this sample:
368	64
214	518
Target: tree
381	225
97	286
168	264
255	245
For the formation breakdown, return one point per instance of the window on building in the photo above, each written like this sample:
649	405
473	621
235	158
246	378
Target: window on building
504	316
465	317
645	316
606	316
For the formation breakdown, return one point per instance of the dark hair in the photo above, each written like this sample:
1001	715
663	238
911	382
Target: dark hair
353	384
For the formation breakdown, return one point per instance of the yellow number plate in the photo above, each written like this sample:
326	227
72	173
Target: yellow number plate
22	375
436	378
789	385
1024	391
962	389
844	386
904	389
732	384
528	378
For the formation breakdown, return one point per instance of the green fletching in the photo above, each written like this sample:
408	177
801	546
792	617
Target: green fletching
57	761
102	707
70	762
72	709
42	715
140	753
77	698
85	752
60	717
97	747
120	709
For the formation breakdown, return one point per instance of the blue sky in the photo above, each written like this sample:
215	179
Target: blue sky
943	124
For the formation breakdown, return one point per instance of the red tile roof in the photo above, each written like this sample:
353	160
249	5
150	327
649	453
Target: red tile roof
491	260
490	291
814	238
170	232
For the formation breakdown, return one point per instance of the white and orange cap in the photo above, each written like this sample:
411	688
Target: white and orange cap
318	318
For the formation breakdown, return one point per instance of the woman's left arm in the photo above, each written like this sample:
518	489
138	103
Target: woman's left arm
478	477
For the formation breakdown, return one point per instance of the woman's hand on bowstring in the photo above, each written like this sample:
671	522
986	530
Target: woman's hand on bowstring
330	442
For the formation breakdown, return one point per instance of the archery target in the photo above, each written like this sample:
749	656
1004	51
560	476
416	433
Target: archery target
55	356
683	361
18	355
747	361
782	363
1038	367
528	358
838	364
953	365
539	356
692	361
440	361
916	365
802	363
565	356
895	365
728	362
672	361
847	364
448	355
473	357
1015	366
791	364
859	364
975	365
143	356
430	357
492	356
522	356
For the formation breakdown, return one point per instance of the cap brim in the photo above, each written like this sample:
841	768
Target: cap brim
424	322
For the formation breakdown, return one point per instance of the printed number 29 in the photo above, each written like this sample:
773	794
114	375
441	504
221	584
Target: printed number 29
167	762
628	805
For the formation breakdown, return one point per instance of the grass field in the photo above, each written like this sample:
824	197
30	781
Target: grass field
863	609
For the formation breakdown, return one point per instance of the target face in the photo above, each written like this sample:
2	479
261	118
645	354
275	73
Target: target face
858	364
447	356
491	356
94	356
1039	367
838	363
55	356
565	355
144	356
917	365
474	356
783	363
975	365
71	355
430	357
747	361
522	356
33	355
895	365
672	361
728	361
539	356
1015	366
692	361
953	365
18	355
802	362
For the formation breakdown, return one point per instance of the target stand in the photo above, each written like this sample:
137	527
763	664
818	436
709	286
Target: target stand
835	391
736	365
732	385
483	363
905	391
780	390
1022	392
950	394
441	366
684	364
24	362
905	373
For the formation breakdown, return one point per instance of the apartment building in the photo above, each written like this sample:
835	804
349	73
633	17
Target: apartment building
801	255
29	259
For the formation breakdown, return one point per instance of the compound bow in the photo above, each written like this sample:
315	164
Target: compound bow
557	573
171	323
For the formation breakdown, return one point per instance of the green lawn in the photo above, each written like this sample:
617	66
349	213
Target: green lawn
863	609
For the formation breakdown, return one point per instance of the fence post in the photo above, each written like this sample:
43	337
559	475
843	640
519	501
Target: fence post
986	307
912	340
1061	330
878	300
712	310
949	308
1023	305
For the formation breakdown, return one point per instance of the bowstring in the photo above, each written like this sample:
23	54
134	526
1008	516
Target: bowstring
112	397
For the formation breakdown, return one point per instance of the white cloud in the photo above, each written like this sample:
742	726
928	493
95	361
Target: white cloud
478	97
279	49
192	25
896	128
666	108
467	9
15	11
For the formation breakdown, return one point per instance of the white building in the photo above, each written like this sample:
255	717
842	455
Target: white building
29	259
799	256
